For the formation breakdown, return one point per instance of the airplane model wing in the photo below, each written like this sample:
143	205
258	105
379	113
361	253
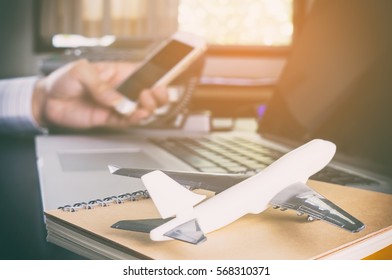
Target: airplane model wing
187	219
216	182
304	200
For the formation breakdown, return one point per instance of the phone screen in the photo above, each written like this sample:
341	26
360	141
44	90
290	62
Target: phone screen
148	74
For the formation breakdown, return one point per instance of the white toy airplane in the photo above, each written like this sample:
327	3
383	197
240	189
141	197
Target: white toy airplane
281	184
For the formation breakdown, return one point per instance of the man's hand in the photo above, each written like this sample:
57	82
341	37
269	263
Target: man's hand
82	95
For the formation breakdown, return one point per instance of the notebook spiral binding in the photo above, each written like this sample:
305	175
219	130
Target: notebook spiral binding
138	195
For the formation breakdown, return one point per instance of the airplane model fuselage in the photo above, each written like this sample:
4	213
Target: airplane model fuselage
194	218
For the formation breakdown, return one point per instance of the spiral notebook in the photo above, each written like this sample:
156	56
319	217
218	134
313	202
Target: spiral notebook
85	228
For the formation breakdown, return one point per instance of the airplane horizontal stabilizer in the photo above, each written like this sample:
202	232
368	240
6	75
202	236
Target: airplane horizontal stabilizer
145	225
304	200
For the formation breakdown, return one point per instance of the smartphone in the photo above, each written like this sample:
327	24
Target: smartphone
166	62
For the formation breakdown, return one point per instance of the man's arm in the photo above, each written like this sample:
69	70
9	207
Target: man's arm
16	115
79	95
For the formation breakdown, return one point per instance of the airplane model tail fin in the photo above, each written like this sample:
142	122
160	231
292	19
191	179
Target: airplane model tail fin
169	197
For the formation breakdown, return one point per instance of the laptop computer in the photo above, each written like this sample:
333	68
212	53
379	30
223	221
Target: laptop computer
335	86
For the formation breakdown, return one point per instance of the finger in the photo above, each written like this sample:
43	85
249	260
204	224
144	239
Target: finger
138	116
147	101
103	117
114	120
82	115
101	91
106	73
114	72
160	94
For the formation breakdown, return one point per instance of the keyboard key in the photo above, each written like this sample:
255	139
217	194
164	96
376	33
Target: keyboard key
237	169
213	170
199	161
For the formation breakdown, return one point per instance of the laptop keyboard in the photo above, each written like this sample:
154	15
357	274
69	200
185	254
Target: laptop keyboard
239	155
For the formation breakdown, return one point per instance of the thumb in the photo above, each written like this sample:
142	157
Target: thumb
101	91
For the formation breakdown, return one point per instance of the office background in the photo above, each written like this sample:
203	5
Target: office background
18	57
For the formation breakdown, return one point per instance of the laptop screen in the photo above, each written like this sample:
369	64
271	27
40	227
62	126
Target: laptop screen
337	84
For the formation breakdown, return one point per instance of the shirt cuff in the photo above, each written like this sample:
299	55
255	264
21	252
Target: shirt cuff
16	114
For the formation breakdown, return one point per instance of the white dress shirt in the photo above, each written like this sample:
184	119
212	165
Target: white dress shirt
16	116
